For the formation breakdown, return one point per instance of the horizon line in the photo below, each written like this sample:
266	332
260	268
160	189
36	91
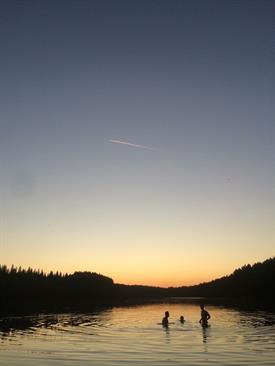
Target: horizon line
46	273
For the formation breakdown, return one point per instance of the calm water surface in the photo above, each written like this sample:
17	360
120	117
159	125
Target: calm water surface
134	336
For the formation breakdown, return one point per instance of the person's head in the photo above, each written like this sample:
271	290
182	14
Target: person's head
202	307
167	314
182	318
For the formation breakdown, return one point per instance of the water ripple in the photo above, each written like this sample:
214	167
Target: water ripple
134	336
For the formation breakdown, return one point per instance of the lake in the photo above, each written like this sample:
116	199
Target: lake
134	336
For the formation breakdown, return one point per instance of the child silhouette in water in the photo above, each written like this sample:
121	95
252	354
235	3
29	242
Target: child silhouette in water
205	316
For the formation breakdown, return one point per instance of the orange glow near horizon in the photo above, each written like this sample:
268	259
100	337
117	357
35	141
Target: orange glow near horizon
171	277
157	255
166	280
160	282
149	260
153	279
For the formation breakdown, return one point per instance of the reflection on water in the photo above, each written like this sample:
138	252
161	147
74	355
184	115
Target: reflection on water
205	333
134	336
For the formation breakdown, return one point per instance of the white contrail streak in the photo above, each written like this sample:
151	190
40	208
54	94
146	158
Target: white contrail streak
132	145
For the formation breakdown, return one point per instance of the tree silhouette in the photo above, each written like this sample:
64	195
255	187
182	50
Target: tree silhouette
31	286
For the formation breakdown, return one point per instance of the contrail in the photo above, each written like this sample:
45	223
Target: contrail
132	145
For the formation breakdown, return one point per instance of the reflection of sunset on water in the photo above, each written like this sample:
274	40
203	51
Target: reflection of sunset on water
136	336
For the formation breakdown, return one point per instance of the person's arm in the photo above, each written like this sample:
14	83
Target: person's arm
208	316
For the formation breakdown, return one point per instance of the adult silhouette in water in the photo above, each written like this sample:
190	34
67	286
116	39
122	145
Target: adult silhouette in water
165	321
205	316
182	319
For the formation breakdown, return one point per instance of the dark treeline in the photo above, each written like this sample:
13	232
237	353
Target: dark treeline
19	286
257	280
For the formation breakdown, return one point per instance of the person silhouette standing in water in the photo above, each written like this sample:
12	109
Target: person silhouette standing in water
165	321
205	316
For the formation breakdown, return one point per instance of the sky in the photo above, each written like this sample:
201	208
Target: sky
137	137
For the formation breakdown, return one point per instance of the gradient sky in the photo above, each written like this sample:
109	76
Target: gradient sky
191	82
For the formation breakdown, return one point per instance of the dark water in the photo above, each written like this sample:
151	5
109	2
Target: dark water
133	336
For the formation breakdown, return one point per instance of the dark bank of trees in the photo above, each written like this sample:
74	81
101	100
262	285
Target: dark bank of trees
33	287
17	284
253	284
248	281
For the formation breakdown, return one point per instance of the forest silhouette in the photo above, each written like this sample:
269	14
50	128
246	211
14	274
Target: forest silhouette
28	287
